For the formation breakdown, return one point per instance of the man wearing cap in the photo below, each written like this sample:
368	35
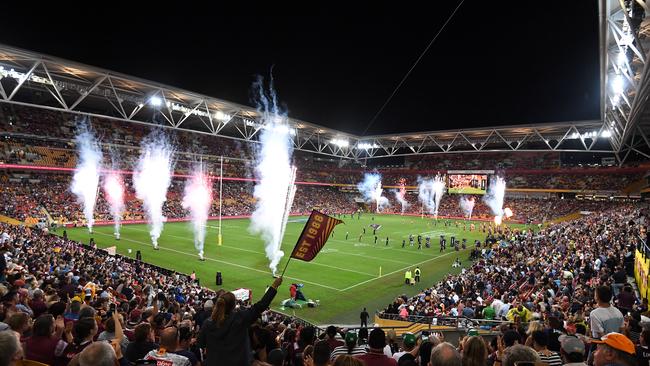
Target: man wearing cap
572	350
376	356
350	347
408	342
614	349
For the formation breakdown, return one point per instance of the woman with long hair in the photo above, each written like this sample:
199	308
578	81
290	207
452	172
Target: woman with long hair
225	335
347	360
475	352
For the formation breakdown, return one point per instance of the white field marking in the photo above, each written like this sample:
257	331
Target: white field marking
218	261
348	242
339	241
260	253
382	247
399	270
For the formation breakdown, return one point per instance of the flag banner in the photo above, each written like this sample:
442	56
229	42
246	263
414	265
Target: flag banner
314	235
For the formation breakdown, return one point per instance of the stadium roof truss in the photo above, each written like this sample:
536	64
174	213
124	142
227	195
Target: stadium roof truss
34	79
624	56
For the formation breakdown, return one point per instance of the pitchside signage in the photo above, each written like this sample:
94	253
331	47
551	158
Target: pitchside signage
314	235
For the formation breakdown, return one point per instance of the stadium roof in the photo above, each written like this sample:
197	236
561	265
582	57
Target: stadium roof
34	79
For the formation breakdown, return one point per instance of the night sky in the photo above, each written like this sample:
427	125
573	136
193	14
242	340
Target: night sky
496	63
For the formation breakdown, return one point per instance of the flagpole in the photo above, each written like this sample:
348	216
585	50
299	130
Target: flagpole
285	267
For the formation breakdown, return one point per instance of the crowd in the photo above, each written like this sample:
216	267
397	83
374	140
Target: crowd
23	195
563	292
30	137
560	295
568	280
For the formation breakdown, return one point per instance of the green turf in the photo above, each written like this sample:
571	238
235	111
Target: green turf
466	190
344	276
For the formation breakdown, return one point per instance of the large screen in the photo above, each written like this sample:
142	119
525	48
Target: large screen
467	183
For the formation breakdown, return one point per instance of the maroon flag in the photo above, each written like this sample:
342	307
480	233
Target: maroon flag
314	235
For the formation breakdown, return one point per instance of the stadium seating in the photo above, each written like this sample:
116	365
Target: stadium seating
515	282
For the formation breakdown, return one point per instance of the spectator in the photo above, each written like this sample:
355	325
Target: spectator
225	334
614	349
475	352
408	344
605	318
540	345
46	342
572	351
109	332
184	341
445	354
331	337
347	360
518	353
84	331
143	343
99	354
168	341
321	356
375	355
10	351
350	347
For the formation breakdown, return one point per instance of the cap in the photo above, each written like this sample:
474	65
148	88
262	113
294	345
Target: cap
617	341
350	337
571	344
76	298
408	339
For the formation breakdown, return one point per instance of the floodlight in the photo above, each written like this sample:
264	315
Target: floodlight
155	101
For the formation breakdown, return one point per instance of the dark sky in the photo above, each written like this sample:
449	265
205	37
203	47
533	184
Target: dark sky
496	63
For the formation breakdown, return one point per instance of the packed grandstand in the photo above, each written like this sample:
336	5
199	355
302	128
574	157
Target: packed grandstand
556	273
536	289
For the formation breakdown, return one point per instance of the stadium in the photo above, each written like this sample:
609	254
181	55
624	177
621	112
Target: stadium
187	229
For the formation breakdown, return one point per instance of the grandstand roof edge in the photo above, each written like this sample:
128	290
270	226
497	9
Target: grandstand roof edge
96	69
42	56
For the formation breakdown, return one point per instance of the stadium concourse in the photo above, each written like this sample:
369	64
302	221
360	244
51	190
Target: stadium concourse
548	293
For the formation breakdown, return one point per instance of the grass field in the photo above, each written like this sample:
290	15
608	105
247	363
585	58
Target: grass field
344	276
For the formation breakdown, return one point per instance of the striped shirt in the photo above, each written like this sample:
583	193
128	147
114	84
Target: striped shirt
550	358
343	350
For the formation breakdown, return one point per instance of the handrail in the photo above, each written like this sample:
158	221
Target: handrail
460	321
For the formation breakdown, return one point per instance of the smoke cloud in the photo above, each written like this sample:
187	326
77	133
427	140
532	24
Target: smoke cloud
152	178
430	192
274	188
198	200
371	190
85	181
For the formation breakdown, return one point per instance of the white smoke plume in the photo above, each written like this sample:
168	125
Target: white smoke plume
114	193
198	200
400	194
430	192
273	190
467	205
85	181
494	197
152	178
371	190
